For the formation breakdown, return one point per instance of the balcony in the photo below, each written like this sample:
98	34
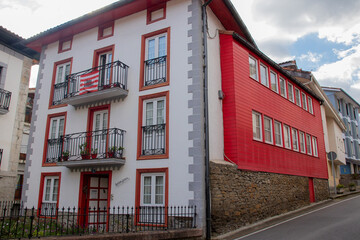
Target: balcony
102	149
153	140
155	71
5	97
101	83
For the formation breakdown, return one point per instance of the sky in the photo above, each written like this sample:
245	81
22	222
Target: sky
323	36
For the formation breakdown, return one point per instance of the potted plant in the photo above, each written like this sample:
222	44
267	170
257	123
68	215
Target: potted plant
340	189
352	187
84	151
121	151
111	151
65	156
94	153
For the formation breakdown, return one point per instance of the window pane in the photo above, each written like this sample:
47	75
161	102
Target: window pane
273	79
151	48
47	189
256	126
282	87
310	105
253	68
297	96
264	75
304	103
160	112
287	137
295	140
162	46
302	142
290	92
59	74
315	146
67	71
268	130
55	190
53	129
61	127
149	113
147	190
308	144
278	137
159	190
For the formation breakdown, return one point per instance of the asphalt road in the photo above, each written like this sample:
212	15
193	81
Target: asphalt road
339	220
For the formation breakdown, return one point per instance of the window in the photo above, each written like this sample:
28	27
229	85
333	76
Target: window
278	133
55	129
290	92
65	45
339	108
49	194
256	118
354	111
310	105
268	129
152	189
287	137
153	136
302	142
253	68
297	96
308	144
314	143
156	13
295	140
274	83
62	69
282	87
304	103
264	75
347	109
106	30
155	56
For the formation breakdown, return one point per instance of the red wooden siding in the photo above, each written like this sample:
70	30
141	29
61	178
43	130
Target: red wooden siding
243	95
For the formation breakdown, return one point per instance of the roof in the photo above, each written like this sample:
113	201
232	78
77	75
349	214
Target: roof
342	93
16	43
223	9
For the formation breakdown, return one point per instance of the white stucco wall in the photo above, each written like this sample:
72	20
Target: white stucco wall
123	114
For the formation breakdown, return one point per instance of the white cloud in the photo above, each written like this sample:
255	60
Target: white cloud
311	57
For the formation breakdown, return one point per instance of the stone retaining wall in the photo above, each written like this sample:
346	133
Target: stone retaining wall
240	198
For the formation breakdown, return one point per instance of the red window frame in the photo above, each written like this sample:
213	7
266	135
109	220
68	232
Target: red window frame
53	82
104	26
62	41
138	189
47	130
140	123
41	189
142	59
153	9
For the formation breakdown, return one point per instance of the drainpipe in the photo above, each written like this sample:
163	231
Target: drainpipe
206	124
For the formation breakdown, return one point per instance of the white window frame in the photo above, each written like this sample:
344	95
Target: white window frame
156	49
57	127
308	145
256	77
48	206
304	101
297	97
287	137
315	147
302	142
278	133
262	66
254	116
283	93
63	73
310	103
275	86
153	189
295	139
271	140
290	92
154	111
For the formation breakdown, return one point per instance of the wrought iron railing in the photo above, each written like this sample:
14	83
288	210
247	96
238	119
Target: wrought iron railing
107	143
5	97
17	221
153	139
110	75
155	71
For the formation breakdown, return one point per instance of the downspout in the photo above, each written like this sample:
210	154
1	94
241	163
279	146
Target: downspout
206	124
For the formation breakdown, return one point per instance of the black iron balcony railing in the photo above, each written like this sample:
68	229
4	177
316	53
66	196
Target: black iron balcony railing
155	71
106	76
101	144
153	139
5	97
19	222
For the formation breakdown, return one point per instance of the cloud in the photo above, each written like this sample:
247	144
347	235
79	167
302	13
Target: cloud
16	4
311	57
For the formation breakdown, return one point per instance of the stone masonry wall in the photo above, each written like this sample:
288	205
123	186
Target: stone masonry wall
240	198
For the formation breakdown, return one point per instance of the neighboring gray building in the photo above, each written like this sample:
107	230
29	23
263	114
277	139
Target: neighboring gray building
348	109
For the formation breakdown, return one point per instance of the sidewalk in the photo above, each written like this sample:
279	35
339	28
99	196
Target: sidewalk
283	217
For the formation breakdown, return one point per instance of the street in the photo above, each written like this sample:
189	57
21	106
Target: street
338	220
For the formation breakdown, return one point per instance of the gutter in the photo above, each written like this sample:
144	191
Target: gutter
206	124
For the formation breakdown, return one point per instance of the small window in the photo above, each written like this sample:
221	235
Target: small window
278	134
314	143
304	102
302	142
291	92
106	30
264	75
310	105
297	96
256	118
268	129
156	13
308	144
253	68
65	45
274	82
287	137
282	87
295	140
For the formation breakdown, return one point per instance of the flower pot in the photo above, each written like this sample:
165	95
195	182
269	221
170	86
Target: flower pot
94	155
85	156
352	188
111	154
65	158
340	190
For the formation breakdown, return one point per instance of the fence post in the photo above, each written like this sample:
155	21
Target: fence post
31	222
127	220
